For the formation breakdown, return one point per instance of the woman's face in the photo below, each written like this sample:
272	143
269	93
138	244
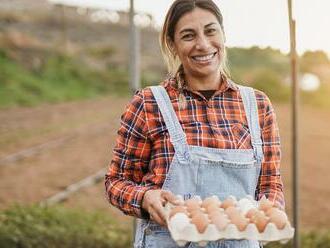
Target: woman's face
198	41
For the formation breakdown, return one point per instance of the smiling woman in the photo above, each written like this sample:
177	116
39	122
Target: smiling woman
199	46
170	134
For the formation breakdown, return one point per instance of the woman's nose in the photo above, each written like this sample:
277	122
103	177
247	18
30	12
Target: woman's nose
202	43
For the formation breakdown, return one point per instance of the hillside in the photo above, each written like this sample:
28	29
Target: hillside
47	58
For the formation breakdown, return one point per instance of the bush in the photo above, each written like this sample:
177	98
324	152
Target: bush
60	78
313	239
34	227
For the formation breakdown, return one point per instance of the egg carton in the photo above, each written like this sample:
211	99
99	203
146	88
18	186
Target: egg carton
183	230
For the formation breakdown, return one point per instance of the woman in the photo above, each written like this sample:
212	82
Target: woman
197	134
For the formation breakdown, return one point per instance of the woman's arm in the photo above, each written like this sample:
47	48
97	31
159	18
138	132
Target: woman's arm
130	161
270	182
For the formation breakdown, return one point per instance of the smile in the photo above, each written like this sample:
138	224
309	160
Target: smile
204	58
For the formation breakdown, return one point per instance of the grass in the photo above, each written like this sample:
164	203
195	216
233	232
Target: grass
34	226
312	239
60	78
38	227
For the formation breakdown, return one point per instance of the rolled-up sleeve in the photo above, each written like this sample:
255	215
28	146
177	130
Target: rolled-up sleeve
123	181
270	181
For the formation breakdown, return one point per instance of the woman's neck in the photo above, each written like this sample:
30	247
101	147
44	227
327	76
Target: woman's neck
203	83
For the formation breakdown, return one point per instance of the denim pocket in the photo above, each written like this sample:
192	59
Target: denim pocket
159	237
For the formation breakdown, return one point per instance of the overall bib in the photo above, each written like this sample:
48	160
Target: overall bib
205	171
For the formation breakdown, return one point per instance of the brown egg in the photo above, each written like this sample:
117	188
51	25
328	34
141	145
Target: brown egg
260	220
239	221
192	203
228	202
219	219
178	209
212	207
265	204
200	221
251	213
210	201
195	211
231	211
278	217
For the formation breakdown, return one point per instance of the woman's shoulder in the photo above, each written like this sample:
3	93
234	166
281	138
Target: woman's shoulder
263	101
260	95
167	84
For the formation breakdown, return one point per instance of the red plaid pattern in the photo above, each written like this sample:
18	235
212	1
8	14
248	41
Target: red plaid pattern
143	151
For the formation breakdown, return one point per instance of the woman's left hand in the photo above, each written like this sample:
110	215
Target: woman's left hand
154	202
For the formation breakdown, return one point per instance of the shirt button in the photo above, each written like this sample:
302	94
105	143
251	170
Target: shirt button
147	231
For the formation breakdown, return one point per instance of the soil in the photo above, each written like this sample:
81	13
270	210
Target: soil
92	125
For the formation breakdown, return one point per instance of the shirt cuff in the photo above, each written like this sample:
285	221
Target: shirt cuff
140	212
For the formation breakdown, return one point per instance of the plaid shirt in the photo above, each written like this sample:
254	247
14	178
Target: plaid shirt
143	151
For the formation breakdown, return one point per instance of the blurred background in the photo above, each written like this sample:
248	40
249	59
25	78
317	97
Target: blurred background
64	83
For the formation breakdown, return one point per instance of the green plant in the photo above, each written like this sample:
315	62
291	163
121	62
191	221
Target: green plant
34	227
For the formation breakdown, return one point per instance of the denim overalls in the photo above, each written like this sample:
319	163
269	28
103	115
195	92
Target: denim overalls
205	171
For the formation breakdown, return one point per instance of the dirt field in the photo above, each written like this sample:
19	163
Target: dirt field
89	129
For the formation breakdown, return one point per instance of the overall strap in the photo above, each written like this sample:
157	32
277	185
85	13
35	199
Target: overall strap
251	111
177	135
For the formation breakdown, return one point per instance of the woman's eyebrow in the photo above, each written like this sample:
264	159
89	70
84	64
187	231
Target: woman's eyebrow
192	30
210	24
186	30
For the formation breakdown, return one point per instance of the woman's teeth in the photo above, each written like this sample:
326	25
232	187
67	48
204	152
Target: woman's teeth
204	57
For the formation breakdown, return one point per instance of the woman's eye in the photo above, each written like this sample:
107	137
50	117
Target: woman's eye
211	31
188	37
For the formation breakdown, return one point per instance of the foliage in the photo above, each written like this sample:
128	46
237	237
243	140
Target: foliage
38	227
313	59
60	78
263	69
242	61
313	239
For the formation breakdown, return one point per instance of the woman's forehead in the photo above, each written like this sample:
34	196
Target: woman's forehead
196	19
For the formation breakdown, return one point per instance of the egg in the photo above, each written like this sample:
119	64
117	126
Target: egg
265	204
251	213
212	207
200	221
196	211
213	200
219	219
231	211
230	201
239	221
278	217
260	220
192	203
180	221
245	204
178	209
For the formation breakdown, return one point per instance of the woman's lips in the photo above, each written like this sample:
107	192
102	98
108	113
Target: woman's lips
204	58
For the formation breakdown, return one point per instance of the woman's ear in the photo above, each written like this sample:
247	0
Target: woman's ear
172	48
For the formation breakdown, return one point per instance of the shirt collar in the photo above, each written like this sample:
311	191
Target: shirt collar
227	84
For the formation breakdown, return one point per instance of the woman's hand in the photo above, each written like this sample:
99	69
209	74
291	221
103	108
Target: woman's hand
154	202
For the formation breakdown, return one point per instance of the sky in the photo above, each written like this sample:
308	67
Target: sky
257	22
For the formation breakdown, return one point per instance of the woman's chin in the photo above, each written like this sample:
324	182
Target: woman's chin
206	72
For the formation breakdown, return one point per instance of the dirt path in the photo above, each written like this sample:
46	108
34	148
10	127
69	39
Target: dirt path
37	177
94	124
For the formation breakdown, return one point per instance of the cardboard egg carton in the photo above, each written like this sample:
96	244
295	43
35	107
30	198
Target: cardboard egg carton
202	221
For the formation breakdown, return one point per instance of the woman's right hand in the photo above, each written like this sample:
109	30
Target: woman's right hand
154	202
